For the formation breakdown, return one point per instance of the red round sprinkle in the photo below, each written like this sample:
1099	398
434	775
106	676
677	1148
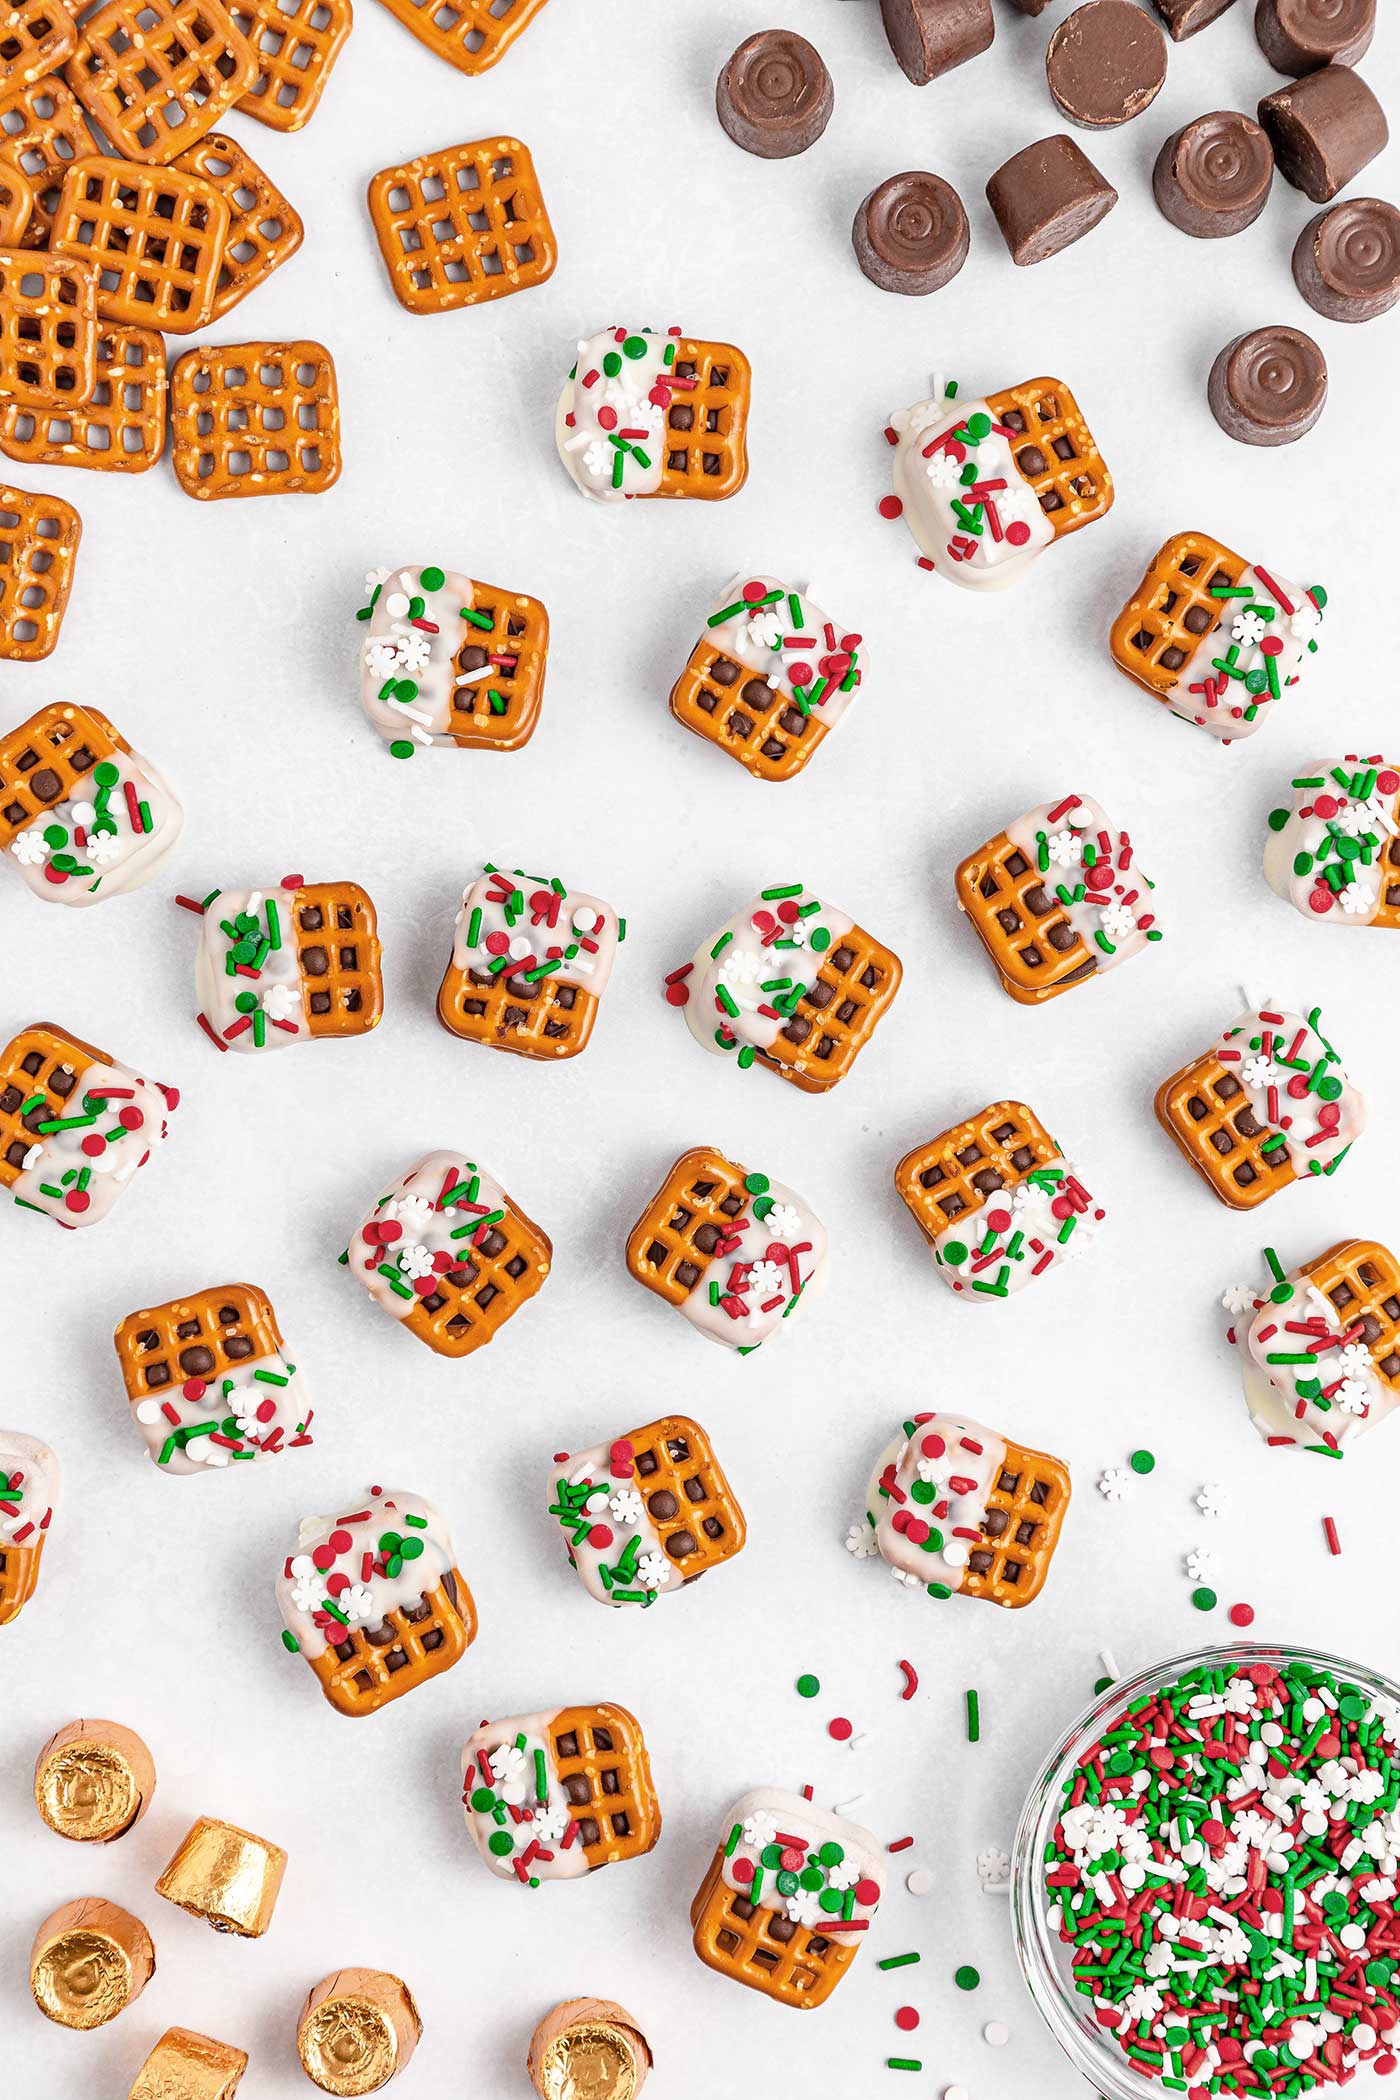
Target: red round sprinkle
1298	1085
800	673
1326	805
442	1261
600	1536
1018	534
607	418
1320	899
753	591
1384	2065
266	1410
77	1199
906	2019
933	1445
323	1557
193	1389
1388	782
1213	1831
293	882
998	1220
840	1730
340	1541
498	944
1241	1614
338	1582
789	911
793	1859
55	875
1100	876
867	1891
916	1531
1272	645
677	994
131	1117
424	1285
94	1144
1329	1115
890	507
660	395
386	1231
742	1869
172	1095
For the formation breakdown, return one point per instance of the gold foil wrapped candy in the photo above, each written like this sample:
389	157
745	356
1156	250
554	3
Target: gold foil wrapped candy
226	1876
188	2066
89	1961
93	1781
358	2029
589	2049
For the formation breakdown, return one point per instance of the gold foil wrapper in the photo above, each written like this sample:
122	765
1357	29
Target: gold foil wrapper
589	2049
89	1961
226	1876
358	2029
188	2066
93	1781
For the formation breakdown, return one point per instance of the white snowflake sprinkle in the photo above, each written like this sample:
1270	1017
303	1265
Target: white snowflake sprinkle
653	1571
1113	1483
1248	628
1211	1499
30	848
860	1541
1258	1071
1354	900
625	1506
1239	1298
1065	848
1202	1565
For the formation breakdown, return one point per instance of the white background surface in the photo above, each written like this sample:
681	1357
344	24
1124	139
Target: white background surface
222	640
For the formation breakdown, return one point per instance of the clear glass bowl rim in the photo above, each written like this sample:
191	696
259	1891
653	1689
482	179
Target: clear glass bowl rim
1038	1948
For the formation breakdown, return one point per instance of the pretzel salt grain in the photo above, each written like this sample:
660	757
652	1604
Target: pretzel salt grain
462	225
39	538
119	429
255	419
264	229
295	46
157	74
470	34
156	237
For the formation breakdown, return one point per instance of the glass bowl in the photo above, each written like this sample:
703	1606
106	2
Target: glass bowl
1044	1958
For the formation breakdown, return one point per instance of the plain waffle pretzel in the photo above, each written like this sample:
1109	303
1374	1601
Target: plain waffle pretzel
1021	922
1055	452
264	230
39	1074
601	1759
295	44
957	1174
48	328
207	1336
798	1965
120	429
689	1502
370	1665
337	942
156	237
690	1216
48	759
462	226
1208	1113
39	538
157	74
36	37
1174	607
470	34
16	204
42	131
255	419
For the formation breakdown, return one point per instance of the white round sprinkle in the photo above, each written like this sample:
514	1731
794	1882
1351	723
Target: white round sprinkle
397	604
955	2092
148	1411
996	2034
520	945
955	1554
586	920
1353	1936
1271	1734
920	1882
83	813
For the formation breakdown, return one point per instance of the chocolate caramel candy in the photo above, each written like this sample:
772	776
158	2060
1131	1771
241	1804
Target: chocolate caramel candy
1346	262
1325	129
930	37
1213	177
89	1961
93	1781
774	96
910	234
1298	36
1183	18
1047	196
1106	63
1268	387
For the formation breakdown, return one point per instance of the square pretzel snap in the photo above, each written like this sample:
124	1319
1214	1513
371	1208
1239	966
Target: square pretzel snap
48	328
264	230
39	538
462	225
157	74
119	429
295	45
43	129
36	37
255	419
470	34
644	1508
530	963
155	236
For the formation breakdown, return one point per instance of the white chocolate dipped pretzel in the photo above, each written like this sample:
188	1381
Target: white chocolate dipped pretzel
1334	855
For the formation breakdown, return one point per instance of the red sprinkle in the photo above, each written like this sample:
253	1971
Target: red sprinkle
840	1730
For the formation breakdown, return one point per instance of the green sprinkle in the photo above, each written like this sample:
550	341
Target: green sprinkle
966	1978
974	1718
809	1686
1143	1462
898	1961
1204	1599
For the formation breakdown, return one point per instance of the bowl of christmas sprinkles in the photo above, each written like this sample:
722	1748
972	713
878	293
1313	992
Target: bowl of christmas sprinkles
1205	1885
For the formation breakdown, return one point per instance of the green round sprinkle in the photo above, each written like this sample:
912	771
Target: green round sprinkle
771	1856
432	579
812	1879
831	1854
756	1184
1318	595
1329	1089
501	1843
939	1590
829	1900
612	364
821	939
934	1542
762	1207
1102	1684
417	607
808	1685
787	1884
290	1643
924	1491
1143	1462
246	1002
1256	681
405	689
1302	863
635	346
55	835
955	1253
1280	1294
401	748
1277	819
410	1549
483	1800
389	1542
980	425
966	1978
106	775
1204	1599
